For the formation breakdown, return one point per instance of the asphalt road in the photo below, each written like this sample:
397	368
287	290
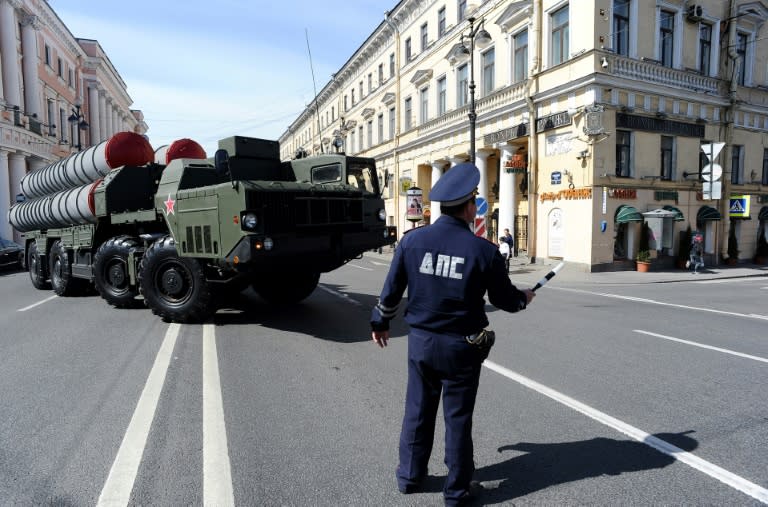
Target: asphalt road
617	394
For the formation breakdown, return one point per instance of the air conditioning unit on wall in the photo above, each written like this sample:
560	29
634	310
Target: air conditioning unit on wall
694	12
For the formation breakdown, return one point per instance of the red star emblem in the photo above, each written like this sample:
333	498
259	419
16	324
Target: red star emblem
169	205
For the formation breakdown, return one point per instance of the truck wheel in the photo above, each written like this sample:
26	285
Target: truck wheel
174	287
287	288
110	267
60	269
38	272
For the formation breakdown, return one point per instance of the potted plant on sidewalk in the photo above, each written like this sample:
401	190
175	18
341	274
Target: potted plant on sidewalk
643	258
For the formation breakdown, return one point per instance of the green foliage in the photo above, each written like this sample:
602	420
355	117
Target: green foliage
643	256
685	245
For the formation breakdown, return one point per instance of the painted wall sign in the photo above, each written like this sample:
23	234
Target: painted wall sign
553	121
623	193
571	193
651	124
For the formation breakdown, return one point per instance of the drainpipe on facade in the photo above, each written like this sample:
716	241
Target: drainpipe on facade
730	111
396	33
531	88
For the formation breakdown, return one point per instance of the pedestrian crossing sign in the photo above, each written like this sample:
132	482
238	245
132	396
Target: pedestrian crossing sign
739	206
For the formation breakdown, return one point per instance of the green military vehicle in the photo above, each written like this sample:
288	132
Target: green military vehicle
181	233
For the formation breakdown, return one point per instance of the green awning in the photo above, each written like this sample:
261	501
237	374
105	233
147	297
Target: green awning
763	215
625	213
707	213
678	214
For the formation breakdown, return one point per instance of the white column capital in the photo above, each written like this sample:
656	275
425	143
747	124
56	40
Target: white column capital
30	21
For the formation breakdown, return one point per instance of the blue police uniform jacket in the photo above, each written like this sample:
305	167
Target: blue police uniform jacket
447	270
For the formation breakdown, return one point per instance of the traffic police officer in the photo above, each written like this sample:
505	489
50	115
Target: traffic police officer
447	270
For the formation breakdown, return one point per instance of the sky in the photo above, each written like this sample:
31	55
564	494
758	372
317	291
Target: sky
207	70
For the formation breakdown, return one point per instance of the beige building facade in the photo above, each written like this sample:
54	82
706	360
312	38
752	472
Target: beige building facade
58	94
592	118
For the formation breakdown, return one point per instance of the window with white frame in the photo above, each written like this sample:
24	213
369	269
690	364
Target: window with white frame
51	118
381	73
520	63
424	32
705	48
559	35
424	105
488	63
441	96
441	21
392	65
667	155
380	126
462	86
666	37
370	133
737	164
408	106
461	8
408	49
623	153
742	39
621	27
360	137
392	122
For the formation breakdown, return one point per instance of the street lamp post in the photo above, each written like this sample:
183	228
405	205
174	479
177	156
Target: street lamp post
479	37
78	121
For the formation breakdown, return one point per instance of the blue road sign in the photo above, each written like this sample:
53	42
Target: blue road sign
482	206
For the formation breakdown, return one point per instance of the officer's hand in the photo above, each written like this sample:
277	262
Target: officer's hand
380	338
529	295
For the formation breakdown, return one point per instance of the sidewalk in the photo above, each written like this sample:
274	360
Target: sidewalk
521	268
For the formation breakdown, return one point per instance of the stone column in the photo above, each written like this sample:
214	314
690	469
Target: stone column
481	161
93	115
103	130
507	191
9	54
115	120
17	166
29	27
6	231
434	206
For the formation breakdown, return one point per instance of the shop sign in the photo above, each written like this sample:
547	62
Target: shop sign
405	184
505	135
622	193
570	194
665	195
553	121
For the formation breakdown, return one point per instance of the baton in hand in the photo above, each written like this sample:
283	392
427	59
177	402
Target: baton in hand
548	276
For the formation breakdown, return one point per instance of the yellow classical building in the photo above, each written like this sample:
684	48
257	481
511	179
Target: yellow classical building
590	119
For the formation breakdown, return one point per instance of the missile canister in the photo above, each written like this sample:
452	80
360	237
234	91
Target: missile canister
181	148
61	209
85	167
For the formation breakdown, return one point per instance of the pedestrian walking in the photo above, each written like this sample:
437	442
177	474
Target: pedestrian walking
508	239
505	252
447	270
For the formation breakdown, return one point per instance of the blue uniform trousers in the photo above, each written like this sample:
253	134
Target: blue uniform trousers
448	364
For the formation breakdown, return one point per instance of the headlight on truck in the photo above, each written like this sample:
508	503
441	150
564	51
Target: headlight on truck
382	214
250	221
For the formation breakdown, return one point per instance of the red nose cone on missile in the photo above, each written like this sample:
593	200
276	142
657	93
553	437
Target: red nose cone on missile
128	148
184	148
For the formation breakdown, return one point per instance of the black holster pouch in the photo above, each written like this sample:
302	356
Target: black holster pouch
483	340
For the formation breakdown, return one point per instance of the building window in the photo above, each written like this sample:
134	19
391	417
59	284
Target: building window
488	61
48	55
52	119
441	22
621	27
423	105
380	125
70	77
667	37
381	73
424	37
392	65
741	50
392	121
737	165
346	104
360	137
441	89
370	82
408	49
370	133
352	141
353	96
667	148
521	56
462	86
623	152
764	180
705	48
360	86
408	112
462	9
559	35
60	67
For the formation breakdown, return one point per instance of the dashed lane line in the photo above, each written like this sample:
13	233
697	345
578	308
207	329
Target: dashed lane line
217	472
117	489
739	483
36	304
341	295
703	346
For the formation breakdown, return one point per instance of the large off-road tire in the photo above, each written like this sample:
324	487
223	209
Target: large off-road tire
60	269
286	288
38	271
110	269
174	287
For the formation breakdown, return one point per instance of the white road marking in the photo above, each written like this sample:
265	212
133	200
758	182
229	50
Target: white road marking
117	489
379	263
703	346
36	304
732	280
712	470
359	267
674	305
217	473
341	295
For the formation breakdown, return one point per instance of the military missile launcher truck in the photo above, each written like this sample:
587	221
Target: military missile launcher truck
181	233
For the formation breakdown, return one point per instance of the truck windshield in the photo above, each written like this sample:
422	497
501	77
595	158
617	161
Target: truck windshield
363	177
330	173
